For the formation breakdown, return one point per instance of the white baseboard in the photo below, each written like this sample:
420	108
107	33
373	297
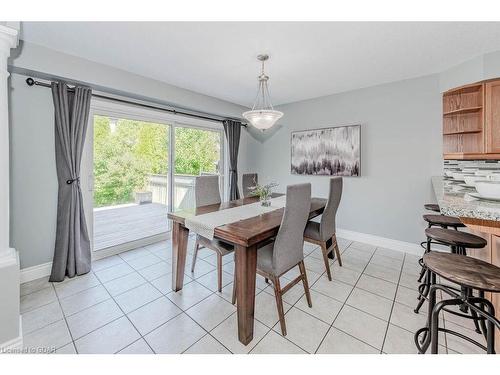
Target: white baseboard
388	243
15	345
35	272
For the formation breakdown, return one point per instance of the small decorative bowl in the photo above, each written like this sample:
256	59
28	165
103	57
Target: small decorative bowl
488	189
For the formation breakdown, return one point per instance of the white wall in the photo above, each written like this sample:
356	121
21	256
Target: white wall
401	146
33	173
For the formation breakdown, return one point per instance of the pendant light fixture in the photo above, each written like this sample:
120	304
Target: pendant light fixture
262	116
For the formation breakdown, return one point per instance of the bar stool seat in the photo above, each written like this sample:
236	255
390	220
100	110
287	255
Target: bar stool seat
458	242
473	276
455	238
470	272
432	207
443	221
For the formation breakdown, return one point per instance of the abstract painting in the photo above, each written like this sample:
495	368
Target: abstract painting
327	152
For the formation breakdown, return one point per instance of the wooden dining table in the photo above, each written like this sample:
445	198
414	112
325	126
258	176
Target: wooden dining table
246	236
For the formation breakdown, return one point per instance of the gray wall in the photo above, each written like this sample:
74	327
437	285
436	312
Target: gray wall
480	68
33	174
401	150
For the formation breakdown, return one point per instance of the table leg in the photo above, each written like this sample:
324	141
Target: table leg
246	267
179	250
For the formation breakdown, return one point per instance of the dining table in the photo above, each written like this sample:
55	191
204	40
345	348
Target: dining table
247	236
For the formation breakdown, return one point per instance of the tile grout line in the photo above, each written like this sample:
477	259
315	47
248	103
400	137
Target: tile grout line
393	303
65	321
124	314
180	308
293	305
112	298
235	312
330	324
184	311
344	303
162	295
265	325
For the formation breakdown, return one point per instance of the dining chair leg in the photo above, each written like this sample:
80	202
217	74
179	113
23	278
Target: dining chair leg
219	272
302	269
337	250
279	303
195	255
325	259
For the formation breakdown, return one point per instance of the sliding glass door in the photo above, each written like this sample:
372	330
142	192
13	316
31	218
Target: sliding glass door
130	195
137	166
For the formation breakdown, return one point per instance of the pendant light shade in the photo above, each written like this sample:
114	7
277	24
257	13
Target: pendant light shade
262	116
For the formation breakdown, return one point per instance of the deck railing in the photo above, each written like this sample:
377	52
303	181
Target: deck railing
183	189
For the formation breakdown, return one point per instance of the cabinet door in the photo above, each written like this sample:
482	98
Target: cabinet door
495	259
493	117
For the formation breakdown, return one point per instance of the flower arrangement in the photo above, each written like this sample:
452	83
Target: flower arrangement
264	192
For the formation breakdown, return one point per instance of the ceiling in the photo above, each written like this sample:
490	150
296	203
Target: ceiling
307	59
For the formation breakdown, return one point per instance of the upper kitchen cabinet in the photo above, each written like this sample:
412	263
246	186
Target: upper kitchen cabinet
463	122
492	118
471	121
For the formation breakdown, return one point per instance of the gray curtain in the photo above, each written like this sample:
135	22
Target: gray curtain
233	130
72	247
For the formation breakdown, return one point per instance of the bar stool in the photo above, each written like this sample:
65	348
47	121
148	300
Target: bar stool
442	221
471	275
432	207
458	243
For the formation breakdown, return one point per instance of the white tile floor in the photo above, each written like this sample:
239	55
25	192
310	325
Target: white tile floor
125	305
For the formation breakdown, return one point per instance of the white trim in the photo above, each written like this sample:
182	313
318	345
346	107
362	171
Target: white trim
138	113
16	344
388	243
8	258
10	36
35	272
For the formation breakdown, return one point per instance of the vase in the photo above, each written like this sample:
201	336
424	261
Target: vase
265	201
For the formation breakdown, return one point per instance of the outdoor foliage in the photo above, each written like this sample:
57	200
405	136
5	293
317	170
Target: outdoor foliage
127	151
196	151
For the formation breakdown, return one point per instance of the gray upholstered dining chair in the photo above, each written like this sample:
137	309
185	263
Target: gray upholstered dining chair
206	192
287	250
249	180
323	233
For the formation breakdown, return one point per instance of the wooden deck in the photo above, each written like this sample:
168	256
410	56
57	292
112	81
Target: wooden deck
116	226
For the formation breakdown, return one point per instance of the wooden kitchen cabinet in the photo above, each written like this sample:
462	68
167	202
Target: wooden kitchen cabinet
492	123
471	121
495	298
490	254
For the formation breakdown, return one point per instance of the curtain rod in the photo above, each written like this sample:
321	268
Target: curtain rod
31	82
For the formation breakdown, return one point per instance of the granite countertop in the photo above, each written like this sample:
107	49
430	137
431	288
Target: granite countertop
453	200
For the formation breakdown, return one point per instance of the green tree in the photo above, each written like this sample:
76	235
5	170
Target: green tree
196	151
